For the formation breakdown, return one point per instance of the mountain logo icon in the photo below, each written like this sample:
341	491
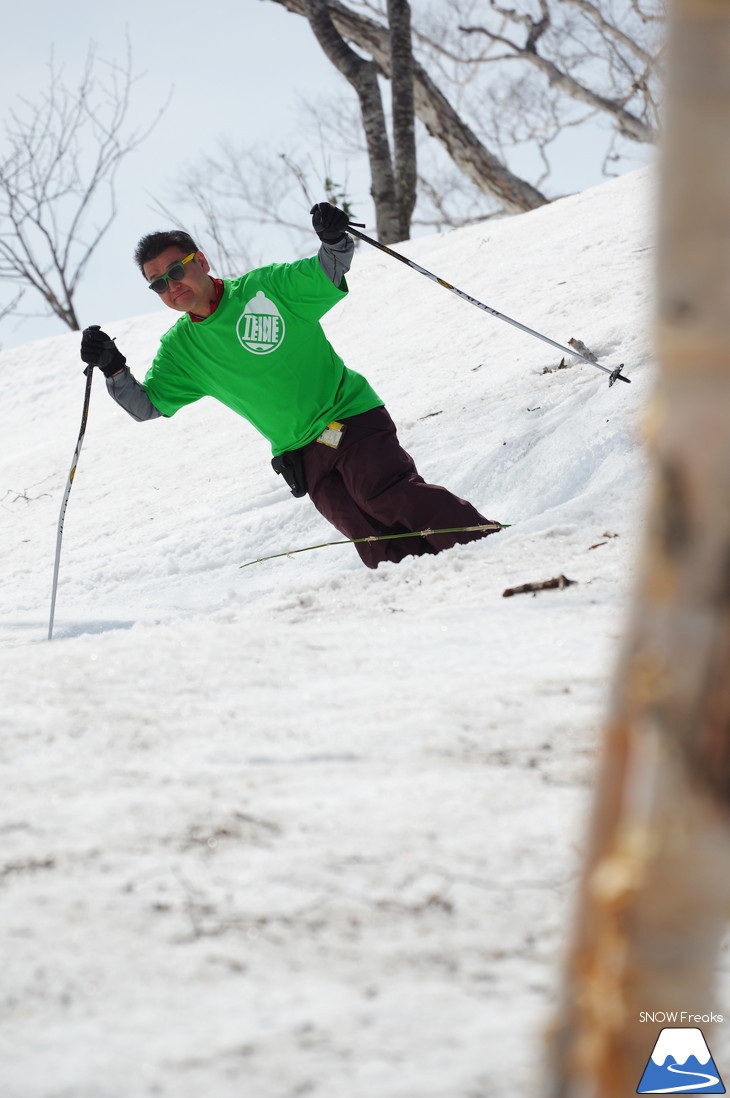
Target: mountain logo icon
681	1063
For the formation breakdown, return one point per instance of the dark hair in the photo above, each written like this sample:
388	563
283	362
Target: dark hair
155	244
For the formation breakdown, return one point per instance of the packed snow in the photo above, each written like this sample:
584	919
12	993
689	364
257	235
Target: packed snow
305	828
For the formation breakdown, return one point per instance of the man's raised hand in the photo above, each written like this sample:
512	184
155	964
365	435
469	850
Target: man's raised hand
329	222
98	349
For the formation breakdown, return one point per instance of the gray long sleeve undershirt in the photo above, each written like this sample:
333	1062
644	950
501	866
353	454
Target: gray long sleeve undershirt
335	260
130	395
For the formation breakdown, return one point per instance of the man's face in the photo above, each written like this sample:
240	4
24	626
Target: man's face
194	292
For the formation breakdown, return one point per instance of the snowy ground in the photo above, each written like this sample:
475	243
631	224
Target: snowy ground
307	829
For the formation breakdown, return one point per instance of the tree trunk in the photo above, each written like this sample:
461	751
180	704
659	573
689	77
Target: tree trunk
404	129
655	893
363	76
432	108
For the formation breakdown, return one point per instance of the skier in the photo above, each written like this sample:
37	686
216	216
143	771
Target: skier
256	344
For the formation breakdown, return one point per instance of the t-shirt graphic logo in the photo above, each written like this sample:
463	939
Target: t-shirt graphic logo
260	326
681	1063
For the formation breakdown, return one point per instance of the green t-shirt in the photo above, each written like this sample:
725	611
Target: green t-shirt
264	354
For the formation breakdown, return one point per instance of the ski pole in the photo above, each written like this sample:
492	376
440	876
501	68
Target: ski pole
89	371
615	375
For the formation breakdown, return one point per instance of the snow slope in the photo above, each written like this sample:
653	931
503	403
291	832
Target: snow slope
306	828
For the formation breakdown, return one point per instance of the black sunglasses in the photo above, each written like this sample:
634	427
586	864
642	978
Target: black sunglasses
176	272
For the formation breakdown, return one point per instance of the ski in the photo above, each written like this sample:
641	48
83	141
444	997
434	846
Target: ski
484	528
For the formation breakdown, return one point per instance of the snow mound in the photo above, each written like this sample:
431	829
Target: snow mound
306	828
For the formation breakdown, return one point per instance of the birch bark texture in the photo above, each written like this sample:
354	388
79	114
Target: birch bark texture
393	176
363	76
655	890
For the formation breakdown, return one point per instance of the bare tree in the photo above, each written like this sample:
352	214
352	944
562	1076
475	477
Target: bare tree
615	59
514	77
655	892
433	109
236	188
57	181
363	76
404	129
521	74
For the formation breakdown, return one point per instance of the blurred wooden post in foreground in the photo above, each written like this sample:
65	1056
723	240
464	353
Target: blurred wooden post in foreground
655	894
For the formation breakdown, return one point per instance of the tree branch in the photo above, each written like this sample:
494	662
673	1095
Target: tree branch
63	152
629	125
646	17
596	15
444	124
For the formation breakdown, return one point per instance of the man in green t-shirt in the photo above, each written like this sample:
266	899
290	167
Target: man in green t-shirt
256	344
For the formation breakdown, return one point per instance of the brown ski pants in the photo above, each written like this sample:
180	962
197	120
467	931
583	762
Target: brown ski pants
370	485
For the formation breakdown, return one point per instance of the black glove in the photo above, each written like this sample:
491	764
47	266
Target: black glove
329	222
97	349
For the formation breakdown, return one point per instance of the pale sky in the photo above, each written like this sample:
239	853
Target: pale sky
239	67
